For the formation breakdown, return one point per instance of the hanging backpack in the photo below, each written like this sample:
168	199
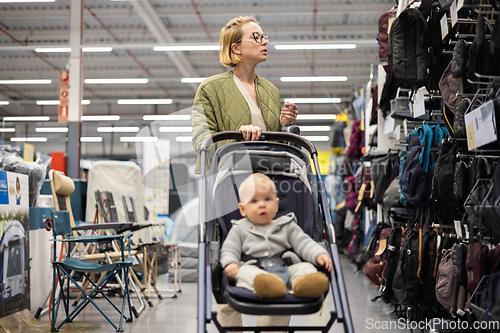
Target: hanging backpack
390	257
428	272
409	48
383	35
446	283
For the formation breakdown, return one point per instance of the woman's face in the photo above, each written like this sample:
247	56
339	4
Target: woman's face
251	50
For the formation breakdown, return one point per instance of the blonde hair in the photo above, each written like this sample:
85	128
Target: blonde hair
251	182
230	34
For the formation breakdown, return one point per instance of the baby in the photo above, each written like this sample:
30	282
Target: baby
258	235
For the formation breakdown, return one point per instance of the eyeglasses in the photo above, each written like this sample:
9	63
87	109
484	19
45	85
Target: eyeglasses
259	38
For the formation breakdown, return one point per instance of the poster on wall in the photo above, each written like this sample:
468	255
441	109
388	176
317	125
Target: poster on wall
14	253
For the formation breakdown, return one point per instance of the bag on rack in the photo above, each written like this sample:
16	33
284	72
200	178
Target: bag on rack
451	88
459	121
444	174
460	183
409	45
459	257
476	266
381	171
389	248
406	285
428	272
459	59
495	47
383	35
356	141
446	283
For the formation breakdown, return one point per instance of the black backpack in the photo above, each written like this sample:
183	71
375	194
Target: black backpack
444	176
389	264
409	46
406	284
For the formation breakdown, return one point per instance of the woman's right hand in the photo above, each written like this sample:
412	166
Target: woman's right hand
232	270
250	132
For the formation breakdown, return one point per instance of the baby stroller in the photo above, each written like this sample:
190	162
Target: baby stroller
299	191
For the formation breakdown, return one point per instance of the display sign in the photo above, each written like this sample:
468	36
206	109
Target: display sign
63	96
14	254
480	126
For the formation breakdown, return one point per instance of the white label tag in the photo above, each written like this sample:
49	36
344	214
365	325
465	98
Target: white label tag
458	229
460	4
454	14
397	132
389	125
405	125
418	103
444	26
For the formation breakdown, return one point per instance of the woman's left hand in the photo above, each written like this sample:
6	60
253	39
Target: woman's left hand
289	113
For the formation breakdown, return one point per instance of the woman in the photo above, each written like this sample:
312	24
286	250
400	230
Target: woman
239	100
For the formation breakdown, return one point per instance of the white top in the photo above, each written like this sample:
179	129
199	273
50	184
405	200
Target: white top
257	118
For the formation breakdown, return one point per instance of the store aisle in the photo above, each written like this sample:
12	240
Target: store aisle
179	315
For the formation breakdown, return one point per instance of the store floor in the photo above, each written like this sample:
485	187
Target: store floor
179	315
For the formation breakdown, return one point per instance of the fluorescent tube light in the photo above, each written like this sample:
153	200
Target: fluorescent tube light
313	78
167	117
85	102
99	118
41	81
4	102
118	129
313	100
53	49
193	79
51	129
7	129
138	139
11	1
39	118
29	139
48	102
315	47
176	129
316	117
115	81
91	139
144	101
319	138
97	49
187	48
183	139
315	128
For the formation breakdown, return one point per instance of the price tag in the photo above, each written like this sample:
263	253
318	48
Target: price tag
389	125
460	4
444	26
454	14
458	229
418	103
397	132
405	126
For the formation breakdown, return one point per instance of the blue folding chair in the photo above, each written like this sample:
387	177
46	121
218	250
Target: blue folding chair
63	273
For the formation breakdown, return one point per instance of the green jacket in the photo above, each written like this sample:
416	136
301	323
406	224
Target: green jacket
219	106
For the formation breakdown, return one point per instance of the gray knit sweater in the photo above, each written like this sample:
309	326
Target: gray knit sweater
283	234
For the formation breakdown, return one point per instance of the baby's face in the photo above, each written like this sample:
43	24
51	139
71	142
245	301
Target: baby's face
261	207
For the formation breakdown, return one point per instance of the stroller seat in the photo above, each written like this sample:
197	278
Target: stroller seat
298	192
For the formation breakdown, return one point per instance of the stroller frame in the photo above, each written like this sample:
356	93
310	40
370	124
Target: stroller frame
337	284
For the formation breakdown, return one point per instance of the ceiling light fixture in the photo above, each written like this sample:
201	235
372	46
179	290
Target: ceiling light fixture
313	100
48	102
53	49
315	47
7	129
115	81
316	117
319	138
315	128
183	139
29	139
138	139
99	118
41	81
11	1
117	129
39	118
192	79
176	129
97	49
313	78
4	102
91	139
167	117
51	129
186	48
85	102
144	101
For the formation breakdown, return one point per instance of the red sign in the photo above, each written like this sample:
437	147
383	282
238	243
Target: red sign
63	96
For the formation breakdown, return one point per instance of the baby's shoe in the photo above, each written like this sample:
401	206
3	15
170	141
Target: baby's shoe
310	285
269	286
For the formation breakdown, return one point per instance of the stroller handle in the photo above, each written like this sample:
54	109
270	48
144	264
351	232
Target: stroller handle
265	136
